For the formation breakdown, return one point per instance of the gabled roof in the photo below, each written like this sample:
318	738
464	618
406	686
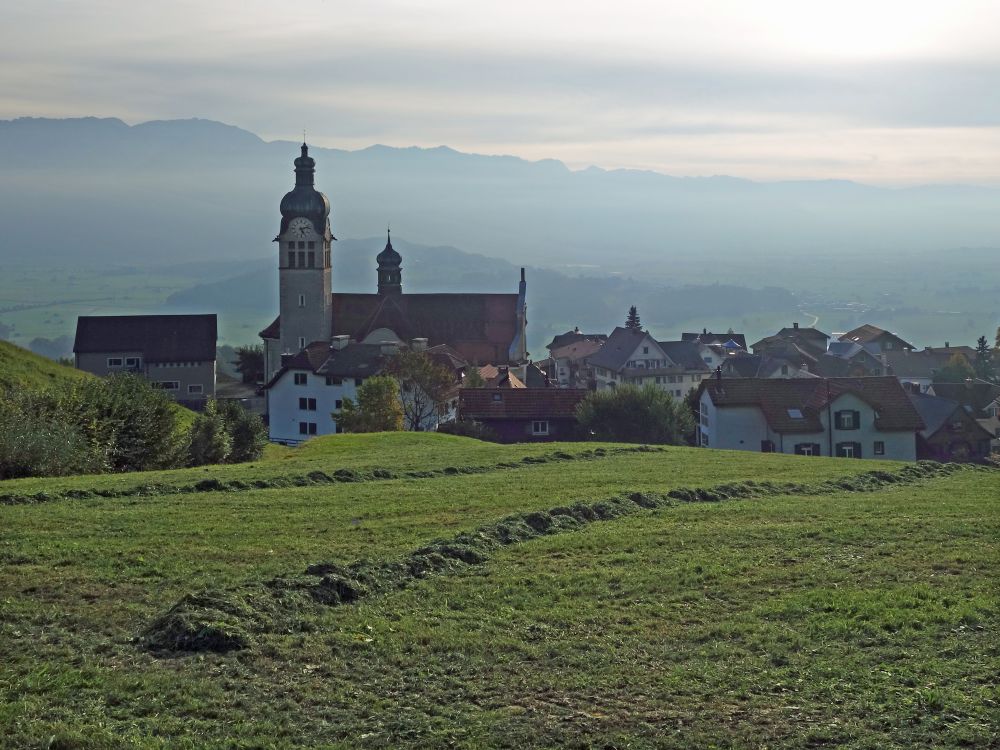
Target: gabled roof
775	397
978	394
922	364
576	350
160	338
684	353
936	412
810	338
867	333
486	404
619	347
570	337
709	338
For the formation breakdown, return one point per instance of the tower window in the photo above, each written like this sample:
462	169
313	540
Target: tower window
311	245
302	300
291	245
302	259
291	259
302	245
312	259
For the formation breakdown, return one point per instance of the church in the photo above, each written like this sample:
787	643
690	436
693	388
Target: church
323	343
482	328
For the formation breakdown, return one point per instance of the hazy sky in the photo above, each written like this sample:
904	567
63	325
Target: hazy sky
883	91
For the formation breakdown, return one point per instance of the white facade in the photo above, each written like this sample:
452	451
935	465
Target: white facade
745	428
323	398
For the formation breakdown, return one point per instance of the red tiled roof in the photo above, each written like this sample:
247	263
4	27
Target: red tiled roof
774	397
519	403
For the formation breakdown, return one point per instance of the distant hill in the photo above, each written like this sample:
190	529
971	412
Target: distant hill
20	368
97	190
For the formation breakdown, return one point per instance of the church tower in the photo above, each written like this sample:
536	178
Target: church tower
390	279
304	261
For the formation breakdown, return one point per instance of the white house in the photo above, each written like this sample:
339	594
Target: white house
848	417
634	357
309	389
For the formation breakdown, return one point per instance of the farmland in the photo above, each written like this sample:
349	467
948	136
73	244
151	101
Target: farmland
812	603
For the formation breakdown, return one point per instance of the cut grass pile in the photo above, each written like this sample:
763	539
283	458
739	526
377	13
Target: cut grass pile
865	619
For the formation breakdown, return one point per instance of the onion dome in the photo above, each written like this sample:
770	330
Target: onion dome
305	200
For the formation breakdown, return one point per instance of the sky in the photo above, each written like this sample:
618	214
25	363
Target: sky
893	92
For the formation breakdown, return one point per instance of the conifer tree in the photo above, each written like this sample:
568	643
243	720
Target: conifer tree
632	321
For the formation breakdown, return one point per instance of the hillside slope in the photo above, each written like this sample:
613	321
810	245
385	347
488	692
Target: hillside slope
470	595
20	368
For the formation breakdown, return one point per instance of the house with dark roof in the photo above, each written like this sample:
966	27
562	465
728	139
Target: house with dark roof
571	337
768	366
482	328
979	398
809	340
875	339
523	414
727	340
951	432
310	387
919	368
846	417
174	352
632	356
568	365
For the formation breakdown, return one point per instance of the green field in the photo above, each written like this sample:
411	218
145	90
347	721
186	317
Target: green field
822	609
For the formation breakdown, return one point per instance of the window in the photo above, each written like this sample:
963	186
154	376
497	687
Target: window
497	397
167	385
196	390
795	413
312	259
807	449
540	427
291	246
879	448
784	369
301	378
338	404
645	350
302	343
330	380
307	428
847	420
311	245
302	246
307	404
302	259
302	300
132	361
291	258
114	361
358	381
767	446
849	450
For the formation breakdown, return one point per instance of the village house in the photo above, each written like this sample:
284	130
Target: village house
309	389
848	359
876	340
568	365
980	398
919	368
846	417
950	433
519	415
632	356
808	340
176	353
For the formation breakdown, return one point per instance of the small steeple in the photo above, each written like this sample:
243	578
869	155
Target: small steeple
390	280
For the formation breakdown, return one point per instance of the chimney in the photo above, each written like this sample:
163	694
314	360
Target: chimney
704	331
339	342
718	372
419	344
285	359
388	348
947	344
795	325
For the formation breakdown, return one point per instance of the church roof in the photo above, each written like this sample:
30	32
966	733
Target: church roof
160	338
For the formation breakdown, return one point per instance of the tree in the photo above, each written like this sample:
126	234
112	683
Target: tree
377	410
956	370
424	386
632	321
246	430
984	364
631	414
473	379
210	441
249	363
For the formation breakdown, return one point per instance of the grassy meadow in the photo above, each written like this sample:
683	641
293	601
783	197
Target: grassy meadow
858	619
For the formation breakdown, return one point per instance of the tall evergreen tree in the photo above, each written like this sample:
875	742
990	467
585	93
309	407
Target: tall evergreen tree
985	364
632	321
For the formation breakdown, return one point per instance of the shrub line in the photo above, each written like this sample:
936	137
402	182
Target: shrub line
315	478
229	619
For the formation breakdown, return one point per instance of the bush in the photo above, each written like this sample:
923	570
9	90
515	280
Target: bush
378	408
247	432
210	440
32	447
629	414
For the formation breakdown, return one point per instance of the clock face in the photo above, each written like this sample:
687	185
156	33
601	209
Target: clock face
300	227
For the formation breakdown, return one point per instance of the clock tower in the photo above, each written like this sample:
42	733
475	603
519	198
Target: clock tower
304	261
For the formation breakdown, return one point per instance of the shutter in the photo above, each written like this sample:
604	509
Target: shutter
857	450
838	420
816	450
857	422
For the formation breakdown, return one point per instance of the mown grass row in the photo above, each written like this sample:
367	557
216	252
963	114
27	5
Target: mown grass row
230	619
312	478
